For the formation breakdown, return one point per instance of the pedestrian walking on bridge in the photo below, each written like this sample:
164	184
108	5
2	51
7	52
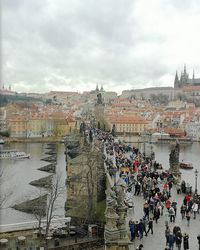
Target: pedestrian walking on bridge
188	218
150	226
185	241
195	209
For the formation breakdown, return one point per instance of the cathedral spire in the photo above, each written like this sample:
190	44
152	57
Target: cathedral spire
176	80
184	69
102	90
97	88
193	75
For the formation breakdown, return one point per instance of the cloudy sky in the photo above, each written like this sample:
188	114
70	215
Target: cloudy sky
72	45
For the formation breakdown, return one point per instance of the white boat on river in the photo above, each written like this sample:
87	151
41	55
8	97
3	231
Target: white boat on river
13	154
2	141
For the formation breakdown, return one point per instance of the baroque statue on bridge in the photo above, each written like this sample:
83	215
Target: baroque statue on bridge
174	159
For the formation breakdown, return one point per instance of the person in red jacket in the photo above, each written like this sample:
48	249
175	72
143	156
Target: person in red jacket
168	204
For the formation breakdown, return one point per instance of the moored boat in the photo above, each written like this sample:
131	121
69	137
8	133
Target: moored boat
2	141
13	154
185	165
173	140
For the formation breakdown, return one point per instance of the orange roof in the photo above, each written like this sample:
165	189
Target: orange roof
174	131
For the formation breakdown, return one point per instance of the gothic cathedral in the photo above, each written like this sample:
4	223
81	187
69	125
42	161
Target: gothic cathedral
184	80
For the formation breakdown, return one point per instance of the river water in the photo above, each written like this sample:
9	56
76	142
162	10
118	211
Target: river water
188	154
18	174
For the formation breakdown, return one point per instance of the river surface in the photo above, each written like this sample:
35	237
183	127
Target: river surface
188	154
17	174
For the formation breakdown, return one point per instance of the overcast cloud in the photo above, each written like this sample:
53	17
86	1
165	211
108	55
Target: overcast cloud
72	45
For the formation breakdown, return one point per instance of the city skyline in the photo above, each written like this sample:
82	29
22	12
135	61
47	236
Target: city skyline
72	46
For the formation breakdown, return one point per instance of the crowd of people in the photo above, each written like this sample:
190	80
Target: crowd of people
145	177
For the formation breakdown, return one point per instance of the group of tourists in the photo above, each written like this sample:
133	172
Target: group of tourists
145	177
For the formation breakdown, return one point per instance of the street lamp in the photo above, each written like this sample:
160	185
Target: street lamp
196	175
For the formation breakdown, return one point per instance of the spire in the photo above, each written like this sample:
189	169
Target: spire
193	77
176	80
102	90
97	88
184	69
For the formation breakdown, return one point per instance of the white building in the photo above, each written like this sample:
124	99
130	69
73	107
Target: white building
193	130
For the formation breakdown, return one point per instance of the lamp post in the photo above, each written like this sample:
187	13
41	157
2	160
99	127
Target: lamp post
196	175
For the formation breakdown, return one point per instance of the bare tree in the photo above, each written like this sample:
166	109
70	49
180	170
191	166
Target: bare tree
54	193
38	212
93	157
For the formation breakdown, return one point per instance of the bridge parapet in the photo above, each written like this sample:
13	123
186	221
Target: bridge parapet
116	237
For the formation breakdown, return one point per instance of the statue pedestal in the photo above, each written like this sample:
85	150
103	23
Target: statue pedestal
176	172
111	235
111	230
122	212
119	245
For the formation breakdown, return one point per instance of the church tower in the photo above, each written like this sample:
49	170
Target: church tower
97	88
184	77
176	81
102	90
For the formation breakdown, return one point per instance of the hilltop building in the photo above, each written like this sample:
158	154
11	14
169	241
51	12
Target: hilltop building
184	79
6	91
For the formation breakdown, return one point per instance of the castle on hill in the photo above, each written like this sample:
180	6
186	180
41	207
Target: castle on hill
184	80
6	90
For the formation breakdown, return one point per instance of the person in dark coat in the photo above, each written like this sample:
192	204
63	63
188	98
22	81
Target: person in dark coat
136	229
171	241
183	187
178	239
132	229
141	229
183	210
150	224
185	241
156	214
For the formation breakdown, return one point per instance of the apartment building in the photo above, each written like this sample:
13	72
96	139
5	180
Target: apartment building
134	124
